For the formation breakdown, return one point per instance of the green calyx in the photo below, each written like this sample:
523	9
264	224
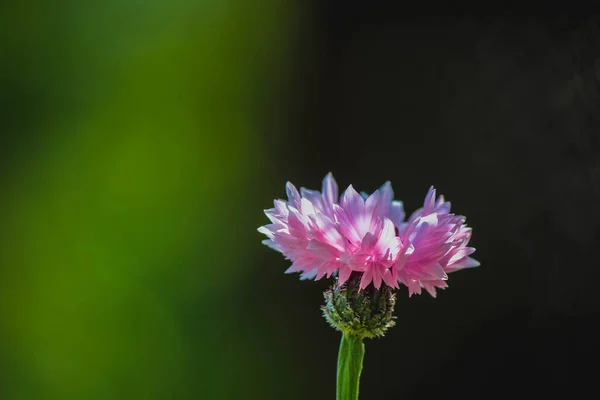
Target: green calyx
366	313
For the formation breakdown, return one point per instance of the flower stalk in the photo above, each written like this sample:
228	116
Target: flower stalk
349	367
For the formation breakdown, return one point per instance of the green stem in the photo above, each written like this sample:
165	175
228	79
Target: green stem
349	367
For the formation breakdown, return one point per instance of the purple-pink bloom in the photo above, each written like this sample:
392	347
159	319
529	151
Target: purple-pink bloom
367	234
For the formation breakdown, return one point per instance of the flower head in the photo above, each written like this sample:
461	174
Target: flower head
366	234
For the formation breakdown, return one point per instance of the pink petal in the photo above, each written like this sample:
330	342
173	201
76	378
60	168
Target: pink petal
315	198
330	189
372	207
322	250
353	204
368	242
414	287
328	232
396	213
346	226
306	207
429	203
387	194
466	263
366	278
388	278
376	279
344	274
308	275
297	222
270	243
293	195
460	254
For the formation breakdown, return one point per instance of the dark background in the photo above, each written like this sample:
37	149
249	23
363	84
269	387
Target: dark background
140	143
502	115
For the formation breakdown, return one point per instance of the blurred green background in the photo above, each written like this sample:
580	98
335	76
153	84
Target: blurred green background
133	149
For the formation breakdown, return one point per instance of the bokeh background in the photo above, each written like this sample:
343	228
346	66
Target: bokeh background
141	140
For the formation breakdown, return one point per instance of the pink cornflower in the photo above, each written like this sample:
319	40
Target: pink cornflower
366	234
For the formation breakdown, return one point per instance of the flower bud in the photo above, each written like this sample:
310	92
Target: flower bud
365	313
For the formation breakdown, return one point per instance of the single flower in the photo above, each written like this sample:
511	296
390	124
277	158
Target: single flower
323	235
364	239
